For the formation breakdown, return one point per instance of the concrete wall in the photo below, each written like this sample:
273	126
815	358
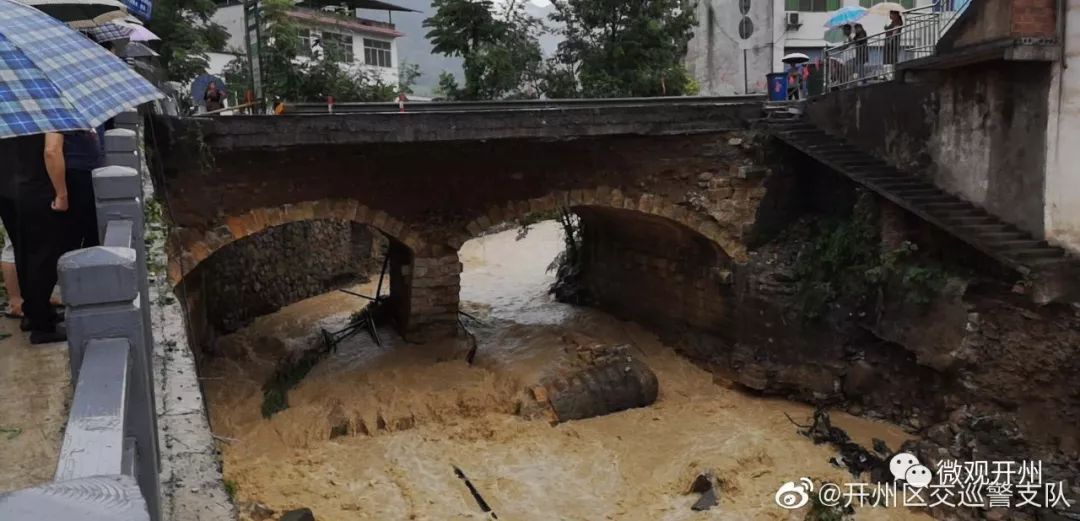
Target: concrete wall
715	57
990	139
978	132
1063	147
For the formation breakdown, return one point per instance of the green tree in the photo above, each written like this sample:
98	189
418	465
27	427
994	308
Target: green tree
292	77
500	49
187	34
620	48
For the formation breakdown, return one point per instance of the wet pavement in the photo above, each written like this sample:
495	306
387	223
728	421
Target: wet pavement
35	384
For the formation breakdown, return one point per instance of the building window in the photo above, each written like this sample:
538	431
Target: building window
338	47
377	53
812	5
307	42
908	4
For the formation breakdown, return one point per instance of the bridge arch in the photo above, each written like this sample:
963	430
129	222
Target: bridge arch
645	258
724	235
415	272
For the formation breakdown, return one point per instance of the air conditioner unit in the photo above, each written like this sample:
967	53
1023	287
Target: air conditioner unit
339	9
793	20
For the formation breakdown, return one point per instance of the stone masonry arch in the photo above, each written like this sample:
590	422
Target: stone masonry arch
648	258
415	270
725	235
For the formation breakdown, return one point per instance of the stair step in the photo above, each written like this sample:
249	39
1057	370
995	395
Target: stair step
1002	236
1046	262
862	163
984	228
916	192
1036	253
1018	244
929	197
969	219
898	183
948	205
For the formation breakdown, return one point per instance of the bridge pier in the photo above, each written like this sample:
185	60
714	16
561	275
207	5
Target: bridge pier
431	288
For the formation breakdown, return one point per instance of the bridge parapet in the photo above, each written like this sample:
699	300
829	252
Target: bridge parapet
109	460
563	119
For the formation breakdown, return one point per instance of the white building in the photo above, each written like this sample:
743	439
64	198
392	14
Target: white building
737	42
363	43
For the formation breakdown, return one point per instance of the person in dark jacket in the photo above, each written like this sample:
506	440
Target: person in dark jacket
892	37
41	214
862	51
214	98
83	152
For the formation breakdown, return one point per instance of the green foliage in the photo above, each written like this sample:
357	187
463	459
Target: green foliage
500	49
835	264
616	48
844	262
918	283
821	512
230	488
309	80
408	73
187	34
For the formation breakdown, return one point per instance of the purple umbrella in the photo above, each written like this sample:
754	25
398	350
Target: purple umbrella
142	34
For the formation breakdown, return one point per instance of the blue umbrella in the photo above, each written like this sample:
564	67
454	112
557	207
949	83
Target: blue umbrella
846	15
199	86
53	79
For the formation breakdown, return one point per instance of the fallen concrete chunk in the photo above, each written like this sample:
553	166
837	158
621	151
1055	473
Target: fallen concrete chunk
706	501
615	385
303	514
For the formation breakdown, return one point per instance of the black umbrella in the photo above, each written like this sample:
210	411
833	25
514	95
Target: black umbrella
80	14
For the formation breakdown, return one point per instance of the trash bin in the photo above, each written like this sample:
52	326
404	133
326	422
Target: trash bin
777	82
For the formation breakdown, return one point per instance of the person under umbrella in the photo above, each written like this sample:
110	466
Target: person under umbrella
55	81
892	37
796	75
213	97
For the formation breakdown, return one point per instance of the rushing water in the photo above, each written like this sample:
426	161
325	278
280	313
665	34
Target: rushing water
412	412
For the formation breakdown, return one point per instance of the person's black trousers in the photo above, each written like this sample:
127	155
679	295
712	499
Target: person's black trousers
8	215
82	211
41	239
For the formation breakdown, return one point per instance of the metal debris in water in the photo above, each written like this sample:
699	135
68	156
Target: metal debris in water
475	493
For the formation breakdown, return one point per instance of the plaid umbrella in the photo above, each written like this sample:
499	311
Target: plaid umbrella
53	79
110	32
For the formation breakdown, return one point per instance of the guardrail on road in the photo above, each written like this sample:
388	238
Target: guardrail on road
509	105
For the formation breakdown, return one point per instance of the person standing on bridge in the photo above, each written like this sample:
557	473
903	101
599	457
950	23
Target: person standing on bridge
42	204
83	153
892	37
214	98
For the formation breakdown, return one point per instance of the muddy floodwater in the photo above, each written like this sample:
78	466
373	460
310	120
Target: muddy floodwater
374	432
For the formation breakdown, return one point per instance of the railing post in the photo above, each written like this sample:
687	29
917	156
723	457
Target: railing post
100	287
121	148
130	120
118	191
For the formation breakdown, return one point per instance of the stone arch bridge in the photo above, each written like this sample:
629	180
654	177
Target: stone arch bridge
668	194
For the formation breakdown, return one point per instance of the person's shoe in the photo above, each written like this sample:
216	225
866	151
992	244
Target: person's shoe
48	337
24	323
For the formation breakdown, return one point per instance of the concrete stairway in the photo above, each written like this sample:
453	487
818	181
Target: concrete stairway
1050	267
